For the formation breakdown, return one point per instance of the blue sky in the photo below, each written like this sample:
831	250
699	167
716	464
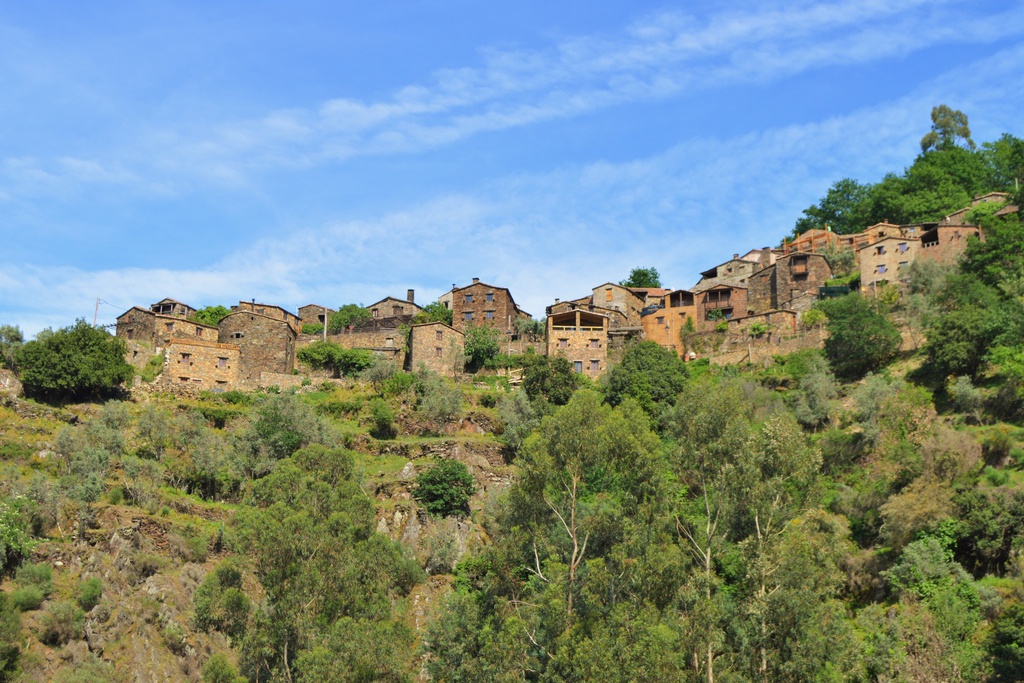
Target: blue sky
325	152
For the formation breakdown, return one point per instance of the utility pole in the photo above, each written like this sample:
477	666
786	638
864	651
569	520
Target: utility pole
325	323
96	312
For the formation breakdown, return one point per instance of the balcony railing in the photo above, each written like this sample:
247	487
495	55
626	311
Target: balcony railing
573	328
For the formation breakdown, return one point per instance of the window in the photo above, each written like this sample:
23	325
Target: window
903	264
879	250
199	332
577	366
469	298
438	334
389	341
237	335
489	296
197	380
607	293
469	315
396	310
186	359
222	362
595	365
563	343
169	326
376	313
489	315
661	320
437	351
183	379
880	268
903	247
595	344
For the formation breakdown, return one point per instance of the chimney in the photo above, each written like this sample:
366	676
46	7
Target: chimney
766	257
410	296
735	255
476	280
557	300
454	286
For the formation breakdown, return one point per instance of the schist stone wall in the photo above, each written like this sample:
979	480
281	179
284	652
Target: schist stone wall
210	365
580	338
947	243
732	301
437	346
483	304
267	344
312	314
791	283
138	324
621	299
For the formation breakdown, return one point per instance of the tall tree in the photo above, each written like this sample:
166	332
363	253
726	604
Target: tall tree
642	277
845	209
949	126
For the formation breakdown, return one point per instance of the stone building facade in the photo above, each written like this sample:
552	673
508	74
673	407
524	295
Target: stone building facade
791	283
315	314
947	243
269	311
266	341
141	325
208	365
886	261
736	270
437	346
721	302
622	299
392	307
172	307
664	324
484	304
582	337
386	338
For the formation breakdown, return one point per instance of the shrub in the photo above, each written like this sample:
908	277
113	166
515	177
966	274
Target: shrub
154	366
219	602
519	418
551	378
482	343
89	593
10	638
219	670
861	338
445	488
27	598
325	355
649	373
489	400
15	541
38	575
349	315
62	622
211	315
440	401
383	418
313	328
76	363
400	383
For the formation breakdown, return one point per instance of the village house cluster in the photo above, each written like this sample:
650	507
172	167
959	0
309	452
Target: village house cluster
764	291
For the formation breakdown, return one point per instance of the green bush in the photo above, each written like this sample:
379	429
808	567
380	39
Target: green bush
440	401
861	339
10	638
399	384
219	670
313	328
219	603
39	575
80	362
27	598
383	418
325	355
154	366
61	623
15	541
445	488
89	593
489	400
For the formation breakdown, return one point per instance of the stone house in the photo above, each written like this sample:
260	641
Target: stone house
141	325
484	304
959	217
790	283
720	302
627	301
663	324
270	311
392	307
947	243
386	338
736	270
172	307
266	340
315	314
437	346
886	261
207	365
581	336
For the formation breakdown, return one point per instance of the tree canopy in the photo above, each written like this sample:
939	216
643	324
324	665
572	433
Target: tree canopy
80	362
349	315
211	315
642	277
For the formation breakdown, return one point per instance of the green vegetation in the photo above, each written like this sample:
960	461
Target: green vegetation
445	488
325	355
434	312
80	362
861	338
349	315
11	340
482	343
211	315
642	277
